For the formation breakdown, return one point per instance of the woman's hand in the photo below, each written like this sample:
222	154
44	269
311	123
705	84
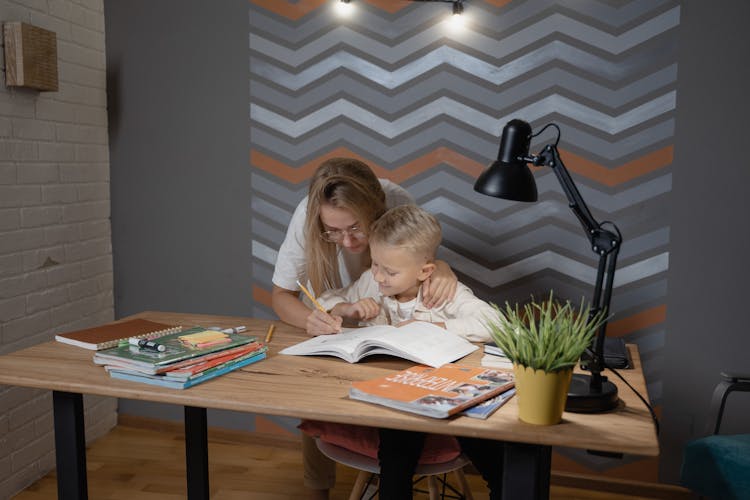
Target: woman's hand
440	287
363	309
320	323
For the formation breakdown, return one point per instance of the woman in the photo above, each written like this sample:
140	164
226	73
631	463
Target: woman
326	247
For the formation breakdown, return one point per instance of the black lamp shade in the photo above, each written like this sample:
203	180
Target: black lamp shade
509	177
510	181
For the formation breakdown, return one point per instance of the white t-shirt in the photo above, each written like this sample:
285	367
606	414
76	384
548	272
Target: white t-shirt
466	315
290	261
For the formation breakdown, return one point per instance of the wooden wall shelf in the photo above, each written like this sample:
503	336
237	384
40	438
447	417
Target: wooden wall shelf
30	56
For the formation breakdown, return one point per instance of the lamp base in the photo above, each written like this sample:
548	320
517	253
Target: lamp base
581	398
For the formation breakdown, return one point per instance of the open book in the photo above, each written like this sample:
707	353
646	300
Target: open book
418	341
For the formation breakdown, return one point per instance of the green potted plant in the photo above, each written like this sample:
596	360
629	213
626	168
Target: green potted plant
544	340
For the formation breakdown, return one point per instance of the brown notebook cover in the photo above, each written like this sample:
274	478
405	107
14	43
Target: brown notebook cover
110	335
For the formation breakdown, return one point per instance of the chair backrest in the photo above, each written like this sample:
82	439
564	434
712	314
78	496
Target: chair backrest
730	382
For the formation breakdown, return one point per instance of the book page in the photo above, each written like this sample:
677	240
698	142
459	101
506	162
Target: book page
425	343
344	345
418	341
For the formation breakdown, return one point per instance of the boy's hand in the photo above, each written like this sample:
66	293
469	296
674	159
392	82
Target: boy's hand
440	287
361	310
320	323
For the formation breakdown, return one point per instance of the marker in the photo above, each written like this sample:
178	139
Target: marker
311	297
147	344
236	329
269	334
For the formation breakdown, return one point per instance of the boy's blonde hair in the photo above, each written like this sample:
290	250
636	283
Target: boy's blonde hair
409	227
342	183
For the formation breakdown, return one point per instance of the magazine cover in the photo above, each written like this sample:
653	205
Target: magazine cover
435	392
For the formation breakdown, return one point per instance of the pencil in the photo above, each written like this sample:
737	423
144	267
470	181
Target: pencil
270	333
311	297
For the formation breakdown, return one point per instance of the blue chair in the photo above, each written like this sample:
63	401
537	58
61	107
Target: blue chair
718	466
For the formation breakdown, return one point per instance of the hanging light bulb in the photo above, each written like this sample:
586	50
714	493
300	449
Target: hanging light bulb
456	21
344	8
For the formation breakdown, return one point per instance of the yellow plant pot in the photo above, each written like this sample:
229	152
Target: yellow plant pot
541	396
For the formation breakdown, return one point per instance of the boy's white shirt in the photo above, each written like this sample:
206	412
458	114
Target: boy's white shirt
464	315
290	261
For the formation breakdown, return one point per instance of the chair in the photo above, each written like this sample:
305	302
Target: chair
718	466
368	468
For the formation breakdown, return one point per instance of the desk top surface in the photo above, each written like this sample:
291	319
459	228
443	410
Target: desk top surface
316	387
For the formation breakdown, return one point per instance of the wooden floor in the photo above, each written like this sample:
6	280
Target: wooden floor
148	464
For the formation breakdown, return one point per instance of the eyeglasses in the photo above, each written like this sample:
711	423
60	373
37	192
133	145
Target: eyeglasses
337	235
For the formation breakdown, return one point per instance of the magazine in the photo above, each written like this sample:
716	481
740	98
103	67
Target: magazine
434	392
488	407
417	341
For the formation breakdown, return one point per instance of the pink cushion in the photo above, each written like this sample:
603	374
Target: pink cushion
365	441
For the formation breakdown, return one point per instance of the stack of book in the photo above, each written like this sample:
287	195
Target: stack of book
181	360
165	355
494	357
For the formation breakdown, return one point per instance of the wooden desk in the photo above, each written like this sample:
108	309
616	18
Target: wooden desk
308	387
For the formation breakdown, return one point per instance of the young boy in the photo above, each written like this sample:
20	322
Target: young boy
403	245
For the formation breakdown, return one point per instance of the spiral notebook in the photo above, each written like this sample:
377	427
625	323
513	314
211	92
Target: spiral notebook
111	334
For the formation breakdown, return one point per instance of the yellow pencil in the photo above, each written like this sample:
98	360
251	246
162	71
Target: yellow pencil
269	334
311	297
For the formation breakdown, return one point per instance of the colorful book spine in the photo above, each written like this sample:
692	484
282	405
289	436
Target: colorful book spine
163	381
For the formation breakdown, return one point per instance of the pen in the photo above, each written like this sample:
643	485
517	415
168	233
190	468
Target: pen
311	297
269	334
147	344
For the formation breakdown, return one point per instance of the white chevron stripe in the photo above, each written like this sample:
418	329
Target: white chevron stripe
493	46
503	212
445	83
559	263
553	51
445	106
264	252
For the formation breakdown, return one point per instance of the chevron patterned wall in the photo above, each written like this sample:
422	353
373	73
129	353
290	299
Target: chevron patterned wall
424	105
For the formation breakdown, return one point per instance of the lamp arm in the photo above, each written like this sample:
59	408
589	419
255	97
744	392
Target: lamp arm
604	243
550	157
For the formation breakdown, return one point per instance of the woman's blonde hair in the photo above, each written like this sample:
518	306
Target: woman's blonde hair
409	227
344	183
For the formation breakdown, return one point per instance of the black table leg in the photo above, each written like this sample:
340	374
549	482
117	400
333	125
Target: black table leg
526	471
196	451
70	446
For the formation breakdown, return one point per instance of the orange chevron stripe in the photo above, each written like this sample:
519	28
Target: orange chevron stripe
262	296
290	10
612	177
390	6
636	322
406	171
267	425
498	3
575	163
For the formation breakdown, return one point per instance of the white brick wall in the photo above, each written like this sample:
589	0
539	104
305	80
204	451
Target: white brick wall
55	242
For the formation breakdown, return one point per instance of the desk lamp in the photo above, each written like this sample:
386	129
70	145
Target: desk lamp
509	177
